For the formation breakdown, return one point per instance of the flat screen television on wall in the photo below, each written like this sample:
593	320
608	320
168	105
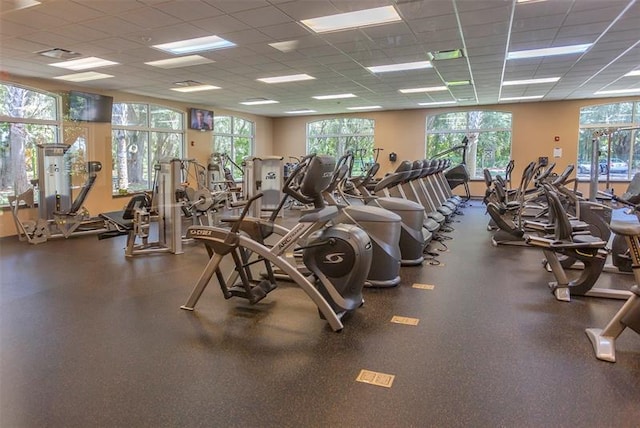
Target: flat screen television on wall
200	119
88	107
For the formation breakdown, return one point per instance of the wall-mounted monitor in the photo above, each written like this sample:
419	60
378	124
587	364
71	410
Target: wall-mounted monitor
200	119
86	107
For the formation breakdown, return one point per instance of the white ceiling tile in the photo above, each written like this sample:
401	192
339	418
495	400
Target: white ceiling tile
285	31
111	25
542	37
300	10
50	39
107	6
231	6
591	16
424	9
396	30
35	18
537	23
219	25
263	17
74	11
188	10
16	29
485	15
436	23
172	33
80	33
540	9
124	31
438	36
247	37
588	32
149	18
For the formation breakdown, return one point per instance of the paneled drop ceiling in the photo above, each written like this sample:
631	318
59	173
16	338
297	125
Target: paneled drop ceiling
124	31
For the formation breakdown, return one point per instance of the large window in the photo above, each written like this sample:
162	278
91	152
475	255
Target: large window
337	136
619	148
143	134
234	137
489	134
27	118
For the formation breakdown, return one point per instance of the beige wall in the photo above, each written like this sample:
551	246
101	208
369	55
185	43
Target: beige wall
534	127
198	146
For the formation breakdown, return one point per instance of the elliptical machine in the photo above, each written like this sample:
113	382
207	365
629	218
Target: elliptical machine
414	237
338	257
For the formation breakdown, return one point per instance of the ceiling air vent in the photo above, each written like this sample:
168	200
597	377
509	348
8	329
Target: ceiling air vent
59	53
187	83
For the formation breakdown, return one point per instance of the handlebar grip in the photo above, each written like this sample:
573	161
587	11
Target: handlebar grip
245	210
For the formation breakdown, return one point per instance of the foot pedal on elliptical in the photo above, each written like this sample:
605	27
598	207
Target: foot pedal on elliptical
253	293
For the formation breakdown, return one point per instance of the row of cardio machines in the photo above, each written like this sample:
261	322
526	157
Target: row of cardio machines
583	236
329	239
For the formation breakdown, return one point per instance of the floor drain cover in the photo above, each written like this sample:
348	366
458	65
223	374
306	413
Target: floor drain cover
424	286
375	378
404	320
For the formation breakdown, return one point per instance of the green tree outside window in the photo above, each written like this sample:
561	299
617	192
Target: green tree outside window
489	134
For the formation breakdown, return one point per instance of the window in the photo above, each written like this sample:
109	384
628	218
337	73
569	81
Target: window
234	137
335	137
489	134
27	118
143	134
619	148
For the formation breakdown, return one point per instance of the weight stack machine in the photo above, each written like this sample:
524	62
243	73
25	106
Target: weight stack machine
264	175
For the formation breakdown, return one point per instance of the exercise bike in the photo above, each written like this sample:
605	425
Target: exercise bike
604	340
338	257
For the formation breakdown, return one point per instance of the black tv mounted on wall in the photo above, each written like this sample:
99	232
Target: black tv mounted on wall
86	107
200	119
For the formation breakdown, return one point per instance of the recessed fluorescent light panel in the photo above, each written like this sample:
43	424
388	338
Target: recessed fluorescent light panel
350	20
288	46
84	63
400	67
284	79
458	83
333	97
18	4
617	91
197	88
437	103
633	73
200	44
444	55
421	90
560	50
182	61
530	81
301	111
531	97
259	102
364	108
83	77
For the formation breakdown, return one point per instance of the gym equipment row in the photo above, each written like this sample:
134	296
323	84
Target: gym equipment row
334	240
59	214
565	238
172	202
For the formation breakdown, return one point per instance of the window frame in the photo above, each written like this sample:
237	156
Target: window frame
57	122
149	131
341	137
634	135
467	131
233	136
